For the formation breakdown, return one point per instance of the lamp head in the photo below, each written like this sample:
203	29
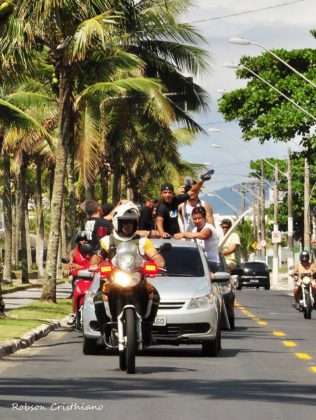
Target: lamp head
239	41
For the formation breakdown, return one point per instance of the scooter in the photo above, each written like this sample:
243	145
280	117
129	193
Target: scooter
306	298
82	280
82	285
128	301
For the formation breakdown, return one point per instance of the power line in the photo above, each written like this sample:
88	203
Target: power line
246	12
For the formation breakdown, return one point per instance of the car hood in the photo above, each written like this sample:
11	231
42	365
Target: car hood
171	288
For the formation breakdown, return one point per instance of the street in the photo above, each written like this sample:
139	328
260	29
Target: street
266	370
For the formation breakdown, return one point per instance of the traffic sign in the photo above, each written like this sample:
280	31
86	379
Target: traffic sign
276	237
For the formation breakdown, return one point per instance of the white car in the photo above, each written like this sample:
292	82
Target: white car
190	305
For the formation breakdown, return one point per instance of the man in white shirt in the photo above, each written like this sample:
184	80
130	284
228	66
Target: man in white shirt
231	248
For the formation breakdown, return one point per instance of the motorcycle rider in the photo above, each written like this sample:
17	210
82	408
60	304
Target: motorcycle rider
305	266
79	259
125	223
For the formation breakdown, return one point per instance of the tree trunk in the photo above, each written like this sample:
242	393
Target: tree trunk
16	228
117	176
72	199
7	211
66	130
40	220
89	192
63	235
22	211
28	238
104	182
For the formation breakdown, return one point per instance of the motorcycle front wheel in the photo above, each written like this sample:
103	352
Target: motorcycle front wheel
131	340
308	308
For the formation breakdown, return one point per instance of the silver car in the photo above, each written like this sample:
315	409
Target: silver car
190	305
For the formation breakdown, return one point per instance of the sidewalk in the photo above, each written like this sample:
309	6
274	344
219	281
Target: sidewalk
20	298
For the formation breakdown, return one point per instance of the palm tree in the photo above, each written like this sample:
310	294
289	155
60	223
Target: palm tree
75	33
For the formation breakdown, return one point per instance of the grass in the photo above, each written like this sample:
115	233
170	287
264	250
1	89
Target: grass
21	320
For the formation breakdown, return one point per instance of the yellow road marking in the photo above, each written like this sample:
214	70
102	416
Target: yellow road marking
279	333
313	369
304	356
262	323
289	343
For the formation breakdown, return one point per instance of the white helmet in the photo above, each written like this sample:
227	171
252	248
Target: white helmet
128	211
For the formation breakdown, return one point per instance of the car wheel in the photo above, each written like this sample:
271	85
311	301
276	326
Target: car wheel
90	346
239	287
267	287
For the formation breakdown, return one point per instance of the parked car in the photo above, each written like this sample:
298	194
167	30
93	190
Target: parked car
254	274
190	304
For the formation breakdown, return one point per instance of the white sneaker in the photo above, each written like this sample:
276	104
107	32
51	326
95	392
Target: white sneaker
71	319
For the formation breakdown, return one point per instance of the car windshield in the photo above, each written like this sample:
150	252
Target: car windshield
255	266
183	261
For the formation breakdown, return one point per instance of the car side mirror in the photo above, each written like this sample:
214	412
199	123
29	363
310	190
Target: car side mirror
221	277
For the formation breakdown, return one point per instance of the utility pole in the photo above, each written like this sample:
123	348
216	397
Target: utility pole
262	209
275	267
307	226
290	257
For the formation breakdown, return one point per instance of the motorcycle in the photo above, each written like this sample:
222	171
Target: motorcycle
306	295
128	301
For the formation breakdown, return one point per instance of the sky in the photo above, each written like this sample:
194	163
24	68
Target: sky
285	27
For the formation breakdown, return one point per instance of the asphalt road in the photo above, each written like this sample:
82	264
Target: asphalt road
266	370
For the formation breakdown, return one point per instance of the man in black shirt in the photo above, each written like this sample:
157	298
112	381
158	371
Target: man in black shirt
96	226
167	212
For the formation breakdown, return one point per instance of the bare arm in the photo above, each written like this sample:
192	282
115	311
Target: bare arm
194	190
203	234
209	213
157	258
230	250
159	222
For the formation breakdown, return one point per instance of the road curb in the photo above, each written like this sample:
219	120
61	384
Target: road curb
8	347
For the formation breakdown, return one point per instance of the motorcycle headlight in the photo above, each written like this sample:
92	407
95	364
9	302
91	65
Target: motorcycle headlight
126	280
201	302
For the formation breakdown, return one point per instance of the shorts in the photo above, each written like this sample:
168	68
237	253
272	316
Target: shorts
213	266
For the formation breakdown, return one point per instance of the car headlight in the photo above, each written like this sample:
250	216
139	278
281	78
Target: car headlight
201	302
126	280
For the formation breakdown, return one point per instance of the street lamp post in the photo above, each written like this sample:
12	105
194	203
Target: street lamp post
244	41
213	193
241	66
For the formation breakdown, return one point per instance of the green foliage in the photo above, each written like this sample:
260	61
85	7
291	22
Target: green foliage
245	231
263	113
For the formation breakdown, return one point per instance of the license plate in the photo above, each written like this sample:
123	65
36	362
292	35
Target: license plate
254	281
160	321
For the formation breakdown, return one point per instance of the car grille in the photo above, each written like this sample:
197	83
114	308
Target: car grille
175	330
171	305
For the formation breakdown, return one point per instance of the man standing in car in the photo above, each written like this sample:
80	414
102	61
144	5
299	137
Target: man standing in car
167	212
